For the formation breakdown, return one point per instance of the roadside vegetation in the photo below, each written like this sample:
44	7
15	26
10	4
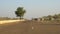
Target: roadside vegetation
20	12
50	19
4	18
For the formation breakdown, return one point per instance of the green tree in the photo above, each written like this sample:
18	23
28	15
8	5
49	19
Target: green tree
20	12
55	16
49	16
58	15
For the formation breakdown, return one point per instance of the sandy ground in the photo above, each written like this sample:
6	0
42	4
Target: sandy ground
29	27
9	21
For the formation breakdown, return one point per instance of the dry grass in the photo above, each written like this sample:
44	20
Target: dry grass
9	21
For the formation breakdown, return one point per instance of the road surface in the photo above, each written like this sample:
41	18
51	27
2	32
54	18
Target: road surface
29	27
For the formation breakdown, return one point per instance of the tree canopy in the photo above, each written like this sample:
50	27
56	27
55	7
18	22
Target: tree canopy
20	12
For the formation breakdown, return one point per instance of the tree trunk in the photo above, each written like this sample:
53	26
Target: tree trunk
21	18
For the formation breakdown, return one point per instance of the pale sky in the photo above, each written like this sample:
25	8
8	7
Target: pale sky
34	8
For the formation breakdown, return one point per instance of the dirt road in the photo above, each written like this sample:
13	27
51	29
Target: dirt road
29	27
